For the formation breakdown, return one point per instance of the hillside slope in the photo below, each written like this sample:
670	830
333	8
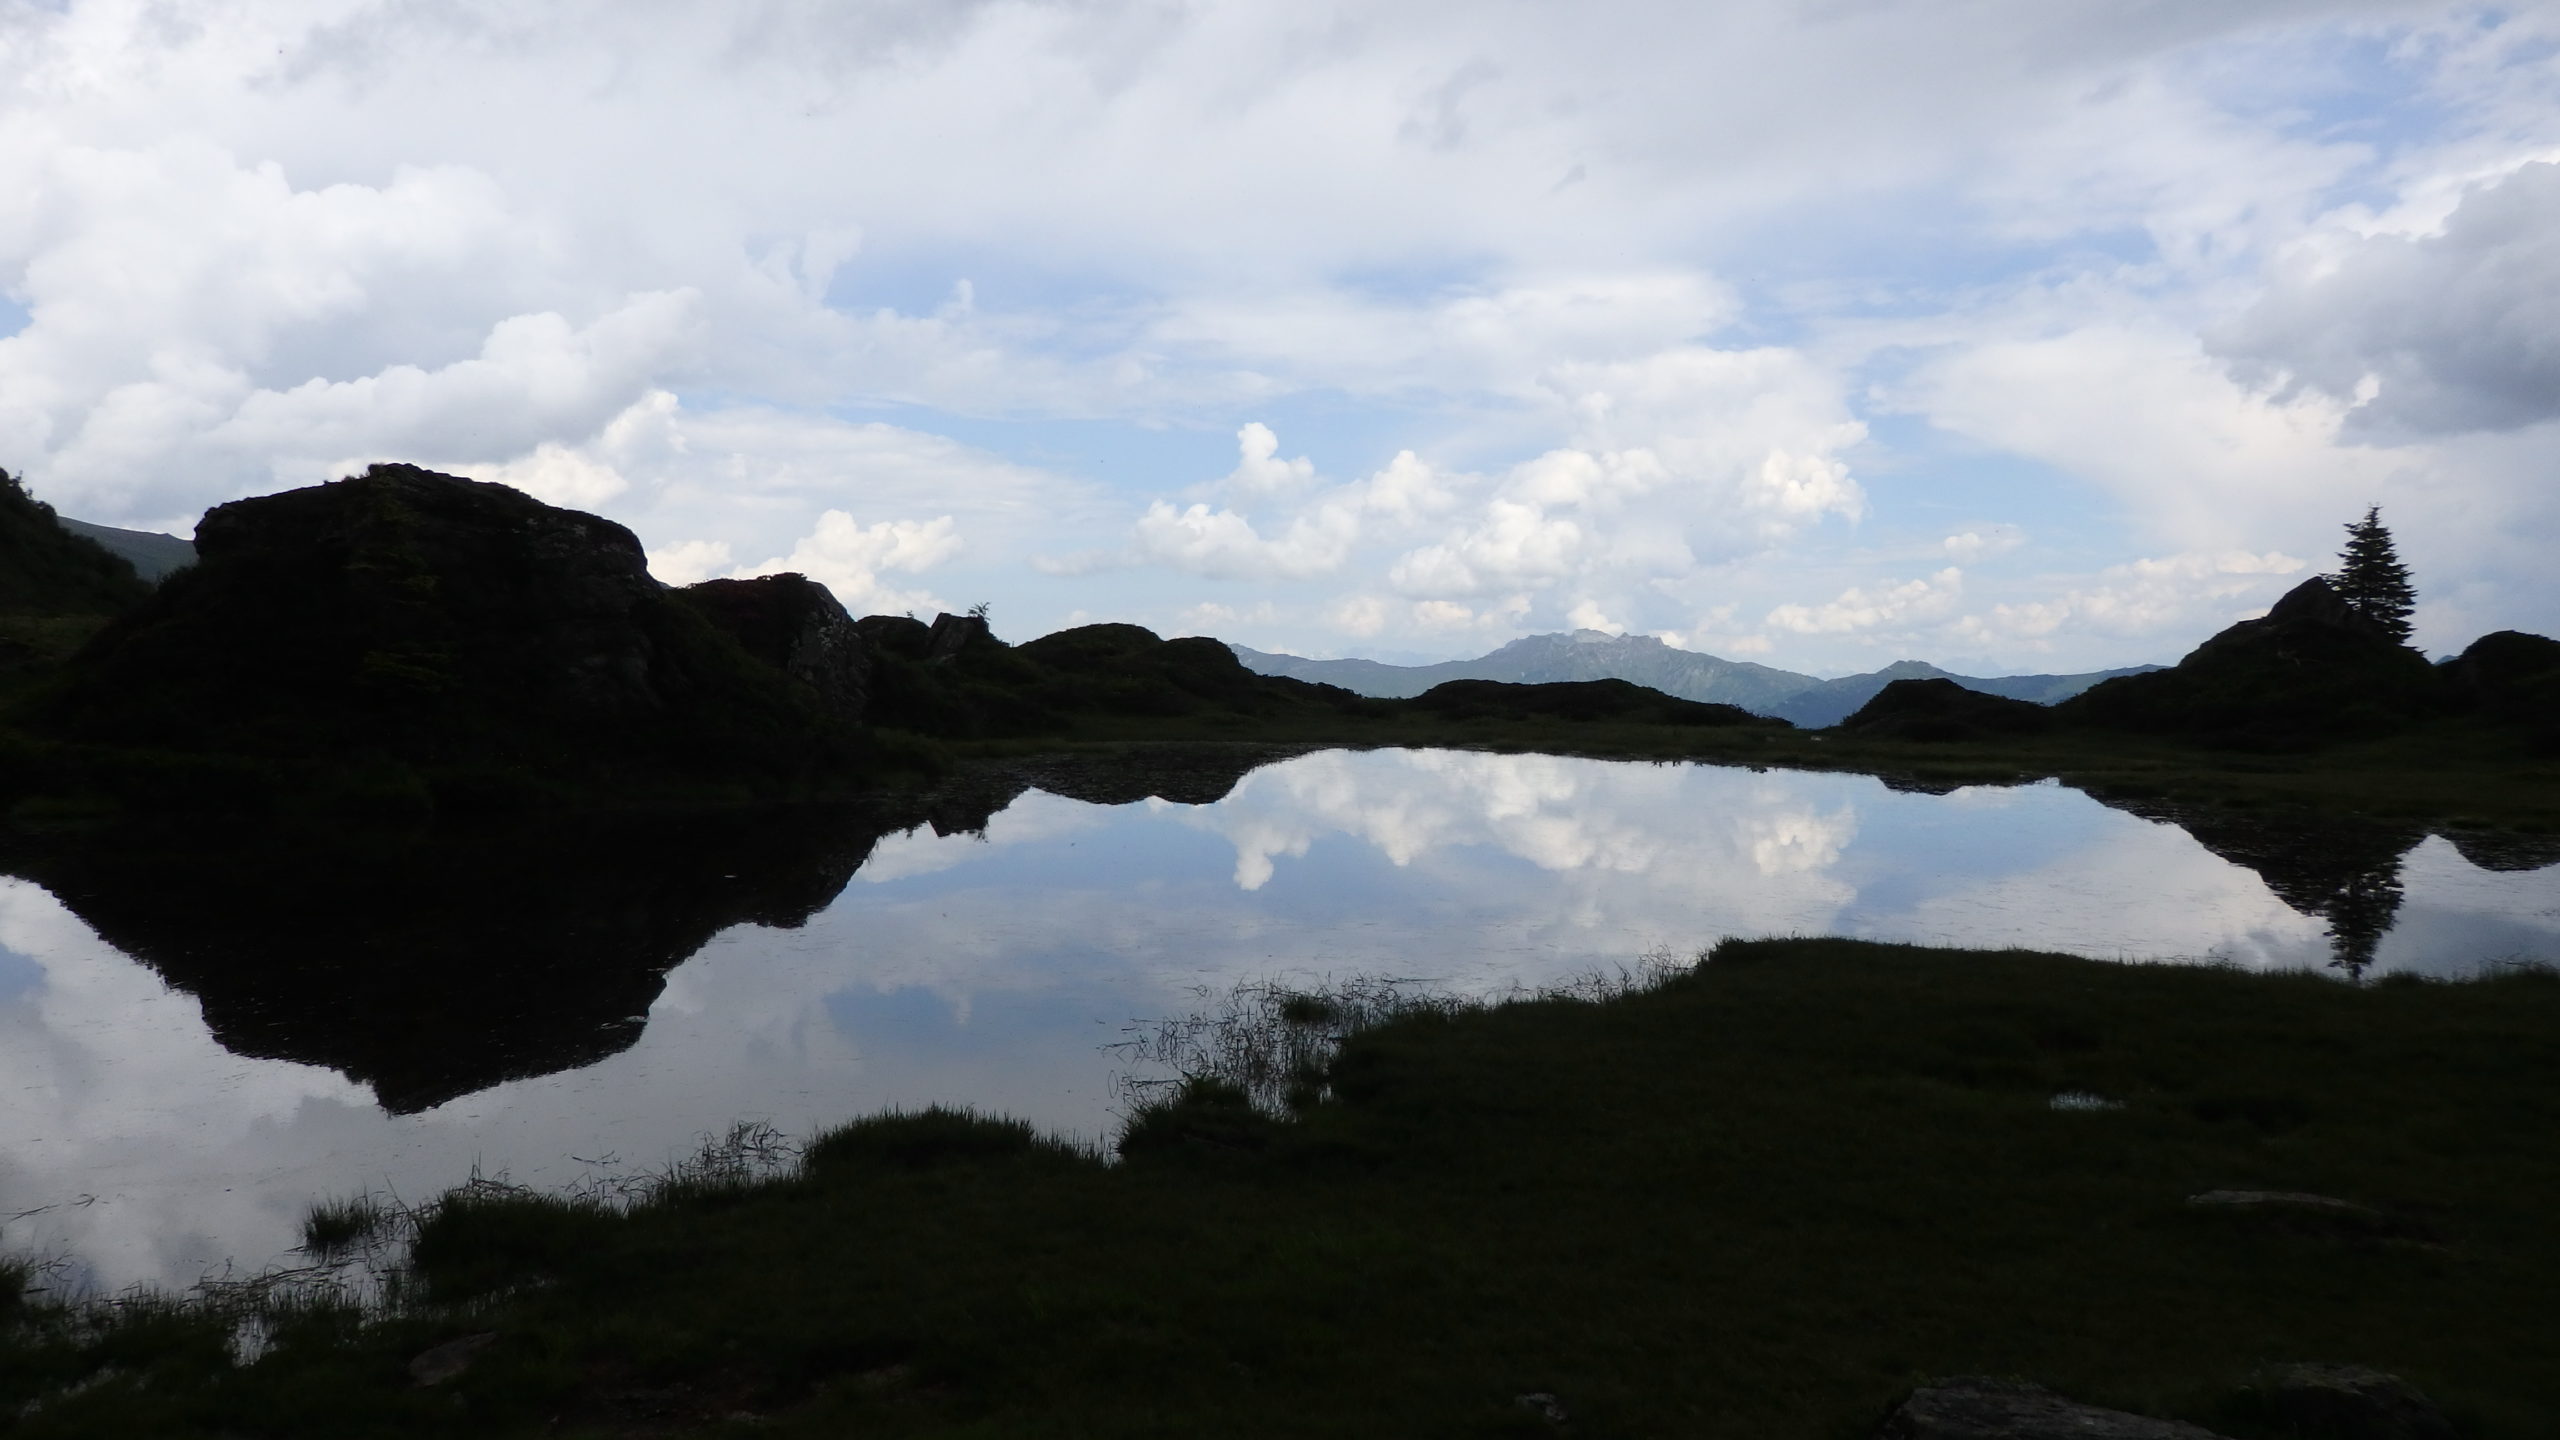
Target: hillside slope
46	569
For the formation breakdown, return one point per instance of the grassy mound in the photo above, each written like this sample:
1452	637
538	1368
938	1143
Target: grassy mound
1757	1199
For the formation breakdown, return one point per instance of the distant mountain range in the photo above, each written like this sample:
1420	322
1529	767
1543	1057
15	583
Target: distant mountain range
1644	660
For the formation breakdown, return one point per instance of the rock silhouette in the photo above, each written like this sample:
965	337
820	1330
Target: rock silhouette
795	625
427	966
407	618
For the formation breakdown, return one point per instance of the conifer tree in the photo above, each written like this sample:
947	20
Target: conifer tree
2371	578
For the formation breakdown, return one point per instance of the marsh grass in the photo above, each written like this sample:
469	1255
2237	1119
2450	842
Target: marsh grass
1757	1197
332	1228
1274	1042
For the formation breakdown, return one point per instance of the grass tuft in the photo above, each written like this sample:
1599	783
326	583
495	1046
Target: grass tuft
930	1139
335	1228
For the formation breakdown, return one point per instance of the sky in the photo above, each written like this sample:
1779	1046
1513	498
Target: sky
2015	335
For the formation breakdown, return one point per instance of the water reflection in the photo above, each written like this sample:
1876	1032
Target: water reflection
2344	871
200	1037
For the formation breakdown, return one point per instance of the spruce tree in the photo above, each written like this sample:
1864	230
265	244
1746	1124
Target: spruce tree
2371	578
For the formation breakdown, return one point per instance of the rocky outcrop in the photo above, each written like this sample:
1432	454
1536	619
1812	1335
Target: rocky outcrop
953	635
2351	1402
1944	710
1974	1407
410	619
794	624
2309	672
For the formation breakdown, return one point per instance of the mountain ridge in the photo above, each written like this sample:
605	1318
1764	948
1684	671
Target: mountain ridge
1804	700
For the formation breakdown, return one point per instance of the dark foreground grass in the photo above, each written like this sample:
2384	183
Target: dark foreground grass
1757	1199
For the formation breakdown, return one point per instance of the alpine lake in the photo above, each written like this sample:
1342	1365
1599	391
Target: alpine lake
202	1035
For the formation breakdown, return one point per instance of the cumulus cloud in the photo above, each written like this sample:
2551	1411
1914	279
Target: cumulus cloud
1973	545
690	563
1318	538
2429	333
1684	454
1862	608
1624	294
852	559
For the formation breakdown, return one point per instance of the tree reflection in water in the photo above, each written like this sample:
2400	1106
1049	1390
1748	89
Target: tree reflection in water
2343	871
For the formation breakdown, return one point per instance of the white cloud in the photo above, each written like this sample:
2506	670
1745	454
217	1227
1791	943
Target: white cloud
1225	544
2193	595
690	563
852	559
1222	544
1625	292
1862	608
1972	545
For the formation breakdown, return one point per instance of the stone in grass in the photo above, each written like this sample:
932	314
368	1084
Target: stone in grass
2319	1215
2351	1402
1977	1407
445	1361
2269	1201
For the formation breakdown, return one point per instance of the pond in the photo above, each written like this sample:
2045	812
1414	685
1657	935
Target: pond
201	1034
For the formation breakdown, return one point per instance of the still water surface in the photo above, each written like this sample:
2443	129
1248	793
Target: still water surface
174	1098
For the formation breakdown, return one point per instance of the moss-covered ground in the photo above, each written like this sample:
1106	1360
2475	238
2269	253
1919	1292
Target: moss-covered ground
1759	1198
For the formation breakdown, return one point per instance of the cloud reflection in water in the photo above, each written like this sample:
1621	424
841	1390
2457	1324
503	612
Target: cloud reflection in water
990	968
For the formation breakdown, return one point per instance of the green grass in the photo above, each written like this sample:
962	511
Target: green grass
1756	1199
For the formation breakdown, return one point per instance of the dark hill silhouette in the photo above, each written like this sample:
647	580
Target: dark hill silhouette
1575	700
1940	709
2510	678
404	618
2310	672
1829	702
955	679
46	569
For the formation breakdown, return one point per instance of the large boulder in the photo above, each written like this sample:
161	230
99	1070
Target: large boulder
1974	1407
413	619
794	624
2351	1402
2309	672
